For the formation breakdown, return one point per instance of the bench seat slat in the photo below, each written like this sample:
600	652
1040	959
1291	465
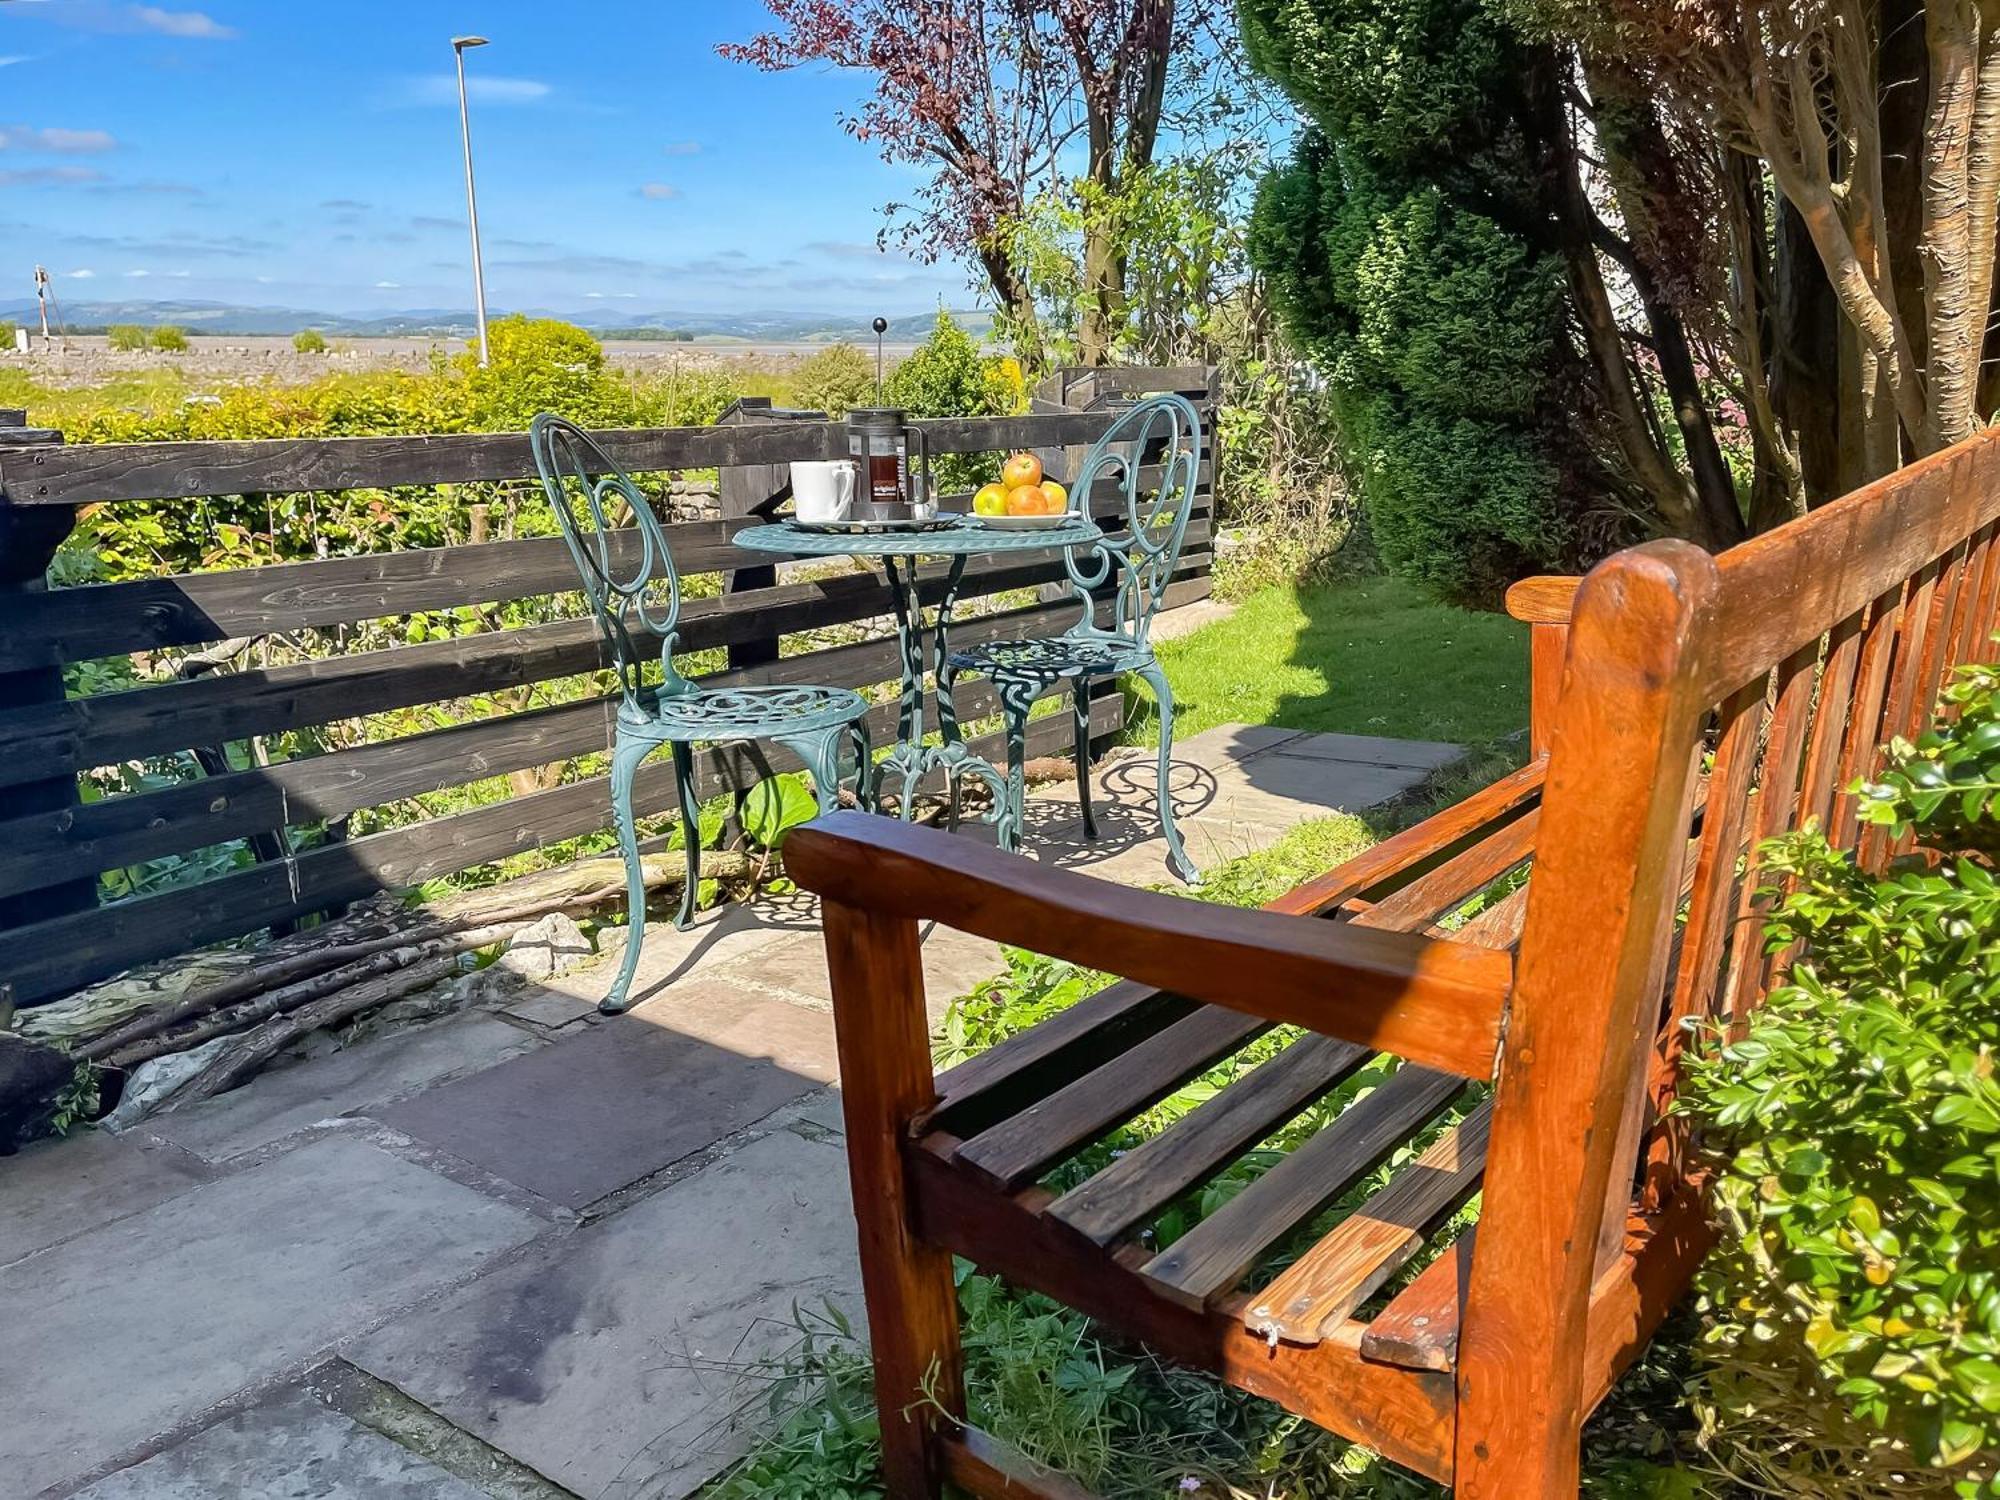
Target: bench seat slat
1198	1145
1418	1330
1212	1257
1032	1064
1370	1245
1018	1148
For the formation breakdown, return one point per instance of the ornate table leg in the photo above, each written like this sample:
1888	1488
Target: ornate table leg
911	759
944	684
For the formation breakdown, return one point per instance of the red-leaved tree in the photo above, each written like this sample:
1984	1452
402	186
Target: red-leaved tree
1000	99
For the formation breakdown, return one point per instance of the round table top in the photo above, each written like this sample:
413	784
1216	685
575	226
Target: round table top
964	539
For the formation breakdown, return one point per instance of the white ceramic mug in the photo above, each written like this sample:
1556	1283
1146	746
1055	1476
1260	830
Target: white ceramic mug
823	490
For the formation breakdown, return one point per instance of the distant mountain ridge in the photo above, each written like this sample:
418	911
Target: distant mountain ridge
230	318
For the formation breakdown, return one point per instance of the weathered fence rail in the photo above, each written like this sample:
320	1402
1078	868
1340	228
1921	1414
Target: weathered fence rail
54	844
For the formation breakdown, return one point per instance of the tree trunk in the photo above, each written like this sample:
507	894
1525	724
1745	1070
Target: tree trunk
1569	207
1011	293
1806	390
1951	32
1638	151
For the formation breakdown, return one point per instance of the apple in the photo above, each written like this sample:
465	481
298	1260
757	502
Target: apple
1021	470
1058	497
1027	500
991	500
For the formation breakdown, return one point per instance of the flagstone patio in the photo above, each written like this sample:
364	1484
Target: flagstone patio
516	1253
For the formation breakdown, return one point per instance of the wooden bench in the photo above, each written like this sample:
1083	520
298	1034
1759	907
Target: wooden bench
1703	705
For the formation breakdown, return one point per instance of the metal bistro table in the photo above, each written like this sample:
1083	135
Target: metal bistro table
911	759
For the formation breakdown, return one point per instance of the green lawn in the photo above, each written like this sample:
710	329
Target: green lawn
1367	656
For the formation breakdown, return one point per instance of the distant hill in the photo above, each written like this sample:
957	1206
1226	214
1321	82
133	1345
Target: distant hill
228	318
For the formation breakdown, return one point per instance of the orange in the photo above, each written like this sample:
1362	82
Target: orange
1022	469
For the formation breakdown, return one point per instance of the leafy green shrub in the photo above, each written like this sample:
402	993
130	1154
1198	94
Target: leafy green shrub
1854	1301
1949	780
169	339
126	337
8	328
946	376
836	380
309	341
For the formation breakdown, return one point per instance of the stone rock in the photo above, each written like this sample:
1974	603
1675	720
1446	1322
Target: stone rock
154	1082
552	946
32	1076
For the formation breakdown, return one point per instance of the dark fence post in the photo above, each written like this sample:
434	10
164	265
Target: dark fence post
755	490
29	536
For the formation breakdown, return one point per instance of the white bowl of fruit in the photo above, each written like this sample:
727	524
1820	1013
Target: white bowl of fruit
1022	499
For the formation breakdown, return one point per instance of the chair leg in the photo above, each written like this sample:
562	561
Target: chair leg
625	758
1177	857
1017	696
945	693
690	832
864	766
1079	705
820	750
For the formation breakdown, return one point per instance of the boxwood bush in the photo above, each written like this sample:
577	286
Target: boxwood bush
1853	1304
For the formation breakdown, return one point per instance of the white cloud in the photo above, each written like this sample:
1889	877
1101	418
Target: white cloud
388	286
137	274
593	295
178	275
54	138
442	88
86	274
189	23
18	57
659	191
48	176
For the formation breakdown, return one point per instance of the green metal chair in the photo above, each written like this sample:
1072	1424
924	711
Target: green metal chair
1162	432
639	603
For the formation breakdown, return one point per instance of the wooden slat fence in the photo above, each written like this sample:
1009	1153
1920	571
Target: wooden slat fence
53	845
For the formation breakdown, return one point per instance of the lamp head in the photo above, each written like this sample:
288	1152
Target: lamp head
460	43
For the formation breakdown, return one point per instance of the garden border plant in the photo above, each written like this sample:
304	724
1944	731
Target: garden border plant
1852	1306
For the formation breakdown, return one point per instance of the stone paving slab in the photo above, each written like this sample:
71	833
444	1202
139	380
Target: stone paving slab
288	1448
613	1361
1372	749
57	1189
594	1112
794	964
351	1081
671	957
139	1325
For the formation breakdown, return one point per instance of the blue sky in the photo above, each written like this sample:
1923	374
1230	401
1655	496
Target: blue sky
305	153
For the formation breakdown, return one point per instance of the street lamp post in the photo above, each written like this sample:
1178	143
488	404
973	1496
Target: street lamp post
458	46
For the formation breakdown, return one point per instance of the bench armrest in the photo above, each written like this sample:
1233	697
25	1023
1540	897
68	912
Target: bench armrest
1544	604
1543	600
1437	1003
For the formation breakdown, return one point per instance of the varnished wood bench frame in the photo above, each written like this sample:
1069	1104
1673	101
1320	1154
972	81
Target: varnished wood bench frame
1591	1220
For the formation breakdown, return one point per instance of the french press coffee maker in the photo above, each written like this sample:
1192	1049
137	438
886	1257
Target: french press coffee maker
883	445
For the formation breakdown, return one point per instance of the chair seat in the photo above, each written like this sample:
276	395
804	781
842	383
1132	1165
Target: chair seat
1053	658
745	713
